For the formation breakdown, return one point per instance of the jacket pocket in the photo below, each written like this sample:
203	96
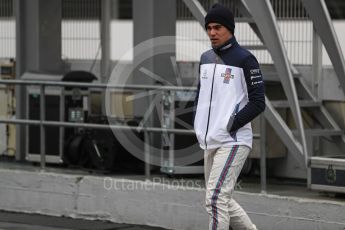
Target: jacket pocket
231	121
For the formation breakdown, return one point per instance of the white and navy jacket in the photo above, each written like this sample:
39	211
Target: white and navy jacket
230	95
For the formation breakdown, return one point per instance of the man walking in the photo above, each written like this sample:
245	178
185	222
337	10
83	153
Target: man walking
230	95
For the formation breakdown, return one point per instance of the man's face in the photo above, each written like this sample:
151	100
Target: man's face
218	34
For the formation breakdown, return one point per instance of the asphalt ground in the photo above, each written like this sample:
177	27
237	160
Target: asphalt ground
20	221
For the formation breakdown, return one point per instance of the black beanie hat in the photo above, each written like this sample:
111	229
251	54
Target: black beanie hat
221	15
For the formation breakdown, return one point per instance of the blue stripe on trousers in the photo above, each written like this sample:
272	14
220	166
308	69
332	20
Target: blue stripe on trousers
219	185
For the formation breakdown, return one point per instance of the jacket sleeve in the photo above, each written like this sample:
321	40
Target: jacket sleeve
256	94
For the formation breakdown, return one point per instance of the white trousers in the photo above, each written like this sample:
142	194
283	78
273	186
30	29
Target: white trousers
222	167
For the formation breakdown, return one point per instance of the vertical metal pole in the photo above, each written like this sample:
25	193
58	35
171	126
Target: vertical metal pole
21	65
163	134
148	140
42	127
171	99
105	44
316	81
147	153
62	118
317	63
263	154
166	164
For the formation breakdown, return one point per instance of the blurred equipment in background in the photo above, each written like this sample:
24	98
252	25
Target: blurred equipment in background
90	148
87	147
7	109
61	104
327	173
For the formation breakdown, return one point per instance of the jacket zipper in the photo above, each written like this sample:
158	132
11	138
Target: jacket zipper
209	109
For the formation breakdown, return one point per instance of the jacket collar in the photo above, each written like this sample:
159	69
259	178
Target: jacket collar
227	45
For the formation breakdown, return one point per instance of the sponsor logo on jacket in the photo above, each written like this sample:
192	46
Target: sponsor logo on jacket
227	76
204	74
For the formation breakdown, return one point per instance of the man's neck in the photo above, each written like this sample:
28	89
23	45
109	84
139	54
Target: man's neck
225	45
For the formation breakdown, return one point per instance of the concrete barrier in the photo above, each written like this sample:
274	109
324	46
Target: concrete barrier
168	205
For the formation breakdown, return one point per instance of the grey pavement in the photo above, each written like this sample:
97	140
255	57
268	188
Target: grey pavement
20	221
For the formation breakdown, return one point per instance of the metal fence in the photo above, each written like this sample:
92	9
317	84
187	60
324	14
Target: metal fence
293	21
296	29
43	123
80	29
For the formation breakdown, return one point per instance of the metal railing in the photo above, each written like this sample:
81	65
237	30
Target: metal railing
42	123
